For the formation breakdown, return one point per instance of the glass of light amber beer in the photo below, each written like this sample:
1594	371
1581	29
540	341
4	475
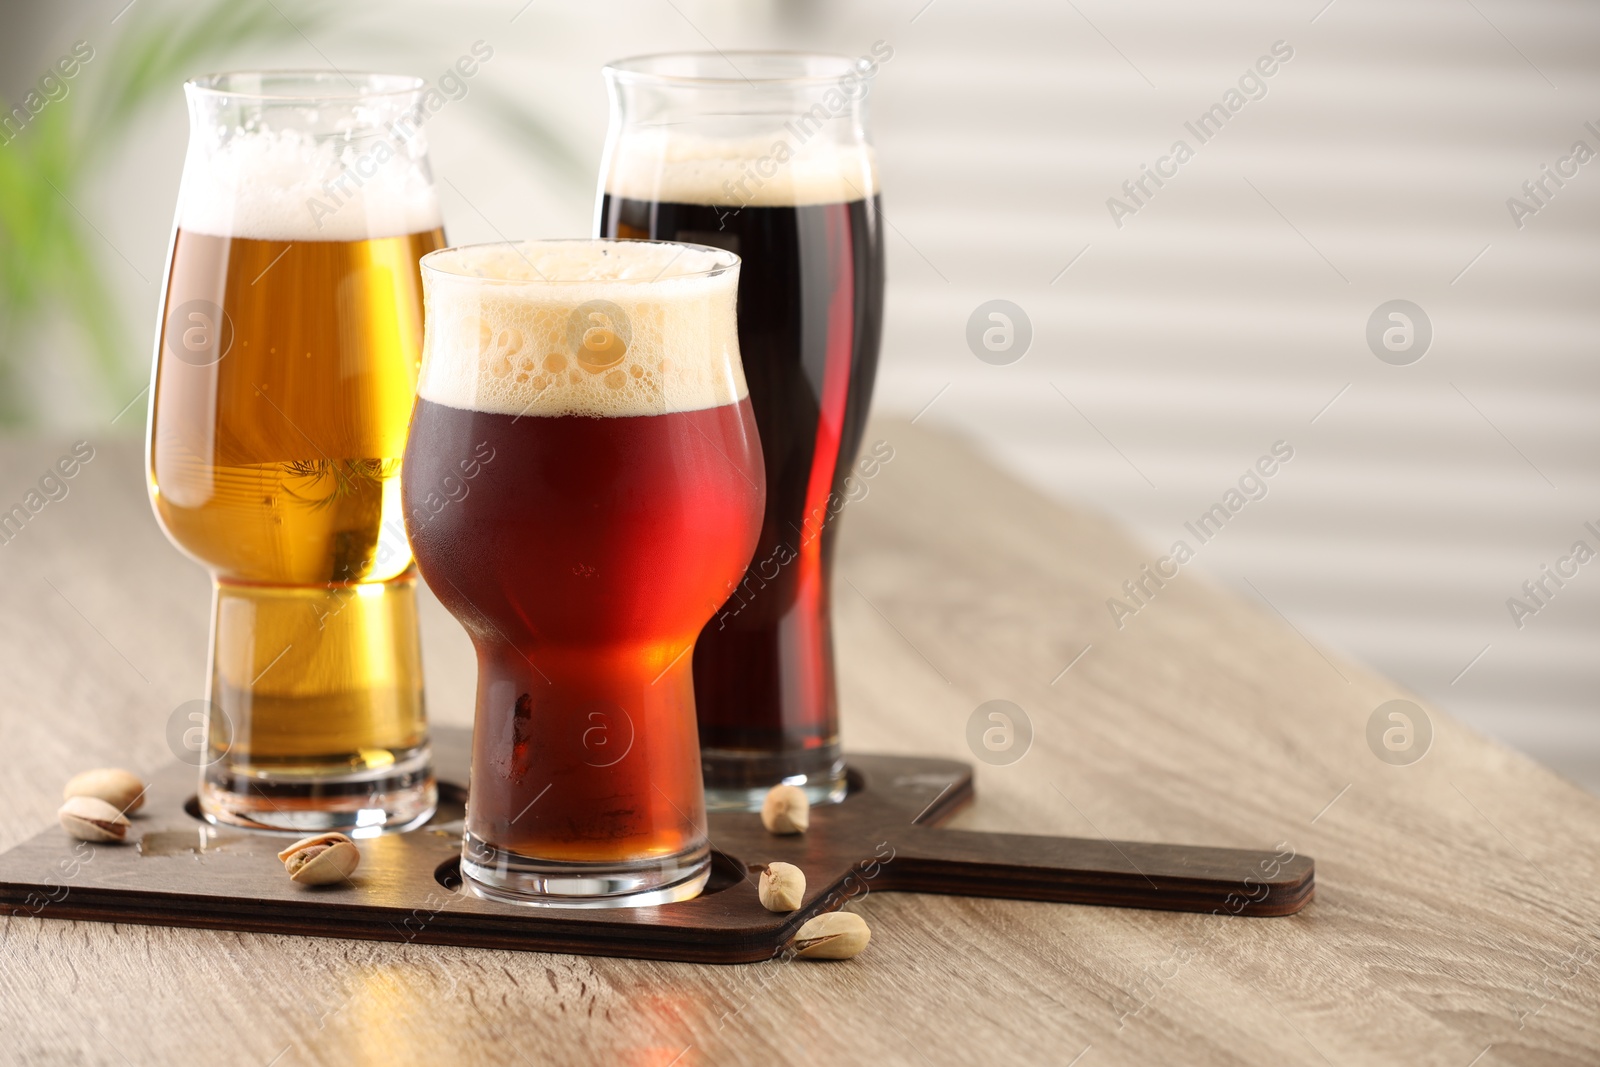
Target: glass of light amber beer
284	374
588	401
767	154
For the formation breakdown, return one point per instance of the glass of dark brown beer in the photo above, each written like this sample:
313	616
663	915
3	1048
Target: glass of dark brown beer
767	155
582	484
284	374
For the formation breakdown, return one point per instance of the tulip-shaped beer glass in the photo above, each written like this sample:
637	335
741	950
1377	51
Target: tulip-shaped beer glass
284	374
766	154
582	485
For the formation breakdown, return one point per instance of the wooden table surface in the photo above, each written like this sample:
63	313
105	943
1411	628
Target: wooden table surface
1455	919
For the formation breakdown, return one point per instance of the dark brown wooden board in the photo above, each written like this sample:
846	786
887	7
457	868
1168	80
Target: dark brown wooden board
176	871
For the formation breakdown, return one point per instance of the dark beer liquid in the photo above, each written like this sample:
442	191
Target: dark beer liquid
810	306
583	555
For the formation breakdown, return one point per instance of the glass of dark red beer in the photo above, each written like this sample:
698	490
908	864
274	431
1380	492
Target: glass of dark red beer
766	154
582	484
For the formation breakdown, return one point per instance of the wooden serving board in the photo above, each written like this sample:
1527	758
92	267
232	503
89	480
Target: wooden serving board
176	870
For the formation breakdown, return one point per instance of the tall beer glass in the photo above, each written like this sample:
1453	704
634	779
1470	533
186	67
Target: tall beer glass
284	374
767	155
583	483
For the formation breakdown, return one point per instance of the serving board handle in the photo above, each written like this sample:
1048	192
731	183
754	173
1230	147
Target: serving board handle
1077	870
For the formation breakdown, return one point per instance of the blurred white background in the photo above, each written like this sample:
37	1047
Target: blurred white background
1227	314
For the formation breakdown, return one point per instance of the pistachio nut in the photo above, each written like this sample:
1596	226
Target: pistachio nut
121	789
321	860
785	810
837	935
92	819
782	887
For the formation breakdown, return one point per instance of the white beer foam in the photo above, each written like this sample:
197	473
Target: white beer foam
782	169
283	185
598	328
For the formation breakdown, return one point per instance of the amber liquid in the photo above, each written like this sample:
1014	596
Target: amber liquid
583	557
285	377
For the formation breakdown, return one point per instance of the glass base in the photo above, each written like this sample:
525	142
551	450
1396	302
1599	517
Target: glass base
494	873
396	798
739	781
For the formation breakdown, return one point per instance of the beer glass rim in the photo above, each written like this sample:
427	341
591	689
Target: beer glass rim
304	85
726	261
702	68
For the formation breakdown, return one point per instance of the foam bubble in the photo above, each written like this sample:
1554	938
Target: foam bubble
778	170
286	185
599	328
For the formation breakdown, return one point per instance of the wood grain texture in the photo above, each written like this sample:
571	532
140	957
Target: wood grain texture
883	837
1455	909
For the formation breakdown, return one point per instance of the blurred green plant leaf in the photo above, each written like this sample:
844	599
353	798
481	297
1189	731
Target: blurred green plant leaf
53	260
51	256
159	53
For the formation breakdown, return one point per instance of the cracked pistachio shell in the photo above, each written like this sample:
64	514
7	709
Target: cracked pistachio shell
92	819
838	935
321	860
